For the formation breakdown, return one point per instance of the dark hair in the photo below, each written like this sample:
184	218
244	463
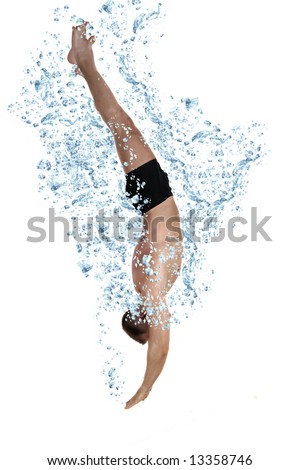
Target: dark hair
135	326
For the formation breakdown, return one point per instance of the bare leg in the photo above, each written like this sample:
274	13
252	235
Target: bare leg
132	149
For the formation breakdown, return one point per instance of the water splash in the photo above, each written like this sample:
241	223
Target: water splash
80	174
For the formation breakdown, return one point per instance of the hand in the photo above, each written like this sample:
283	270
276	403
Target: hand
140	395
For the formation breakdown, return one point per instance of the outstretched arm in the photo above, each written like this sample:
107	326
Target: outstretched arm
158	347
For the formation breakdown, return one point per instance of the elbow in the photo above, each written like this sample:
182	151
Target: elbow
164	351
159	351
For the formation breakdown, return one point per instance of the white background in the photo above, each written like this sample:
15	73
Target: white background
230	383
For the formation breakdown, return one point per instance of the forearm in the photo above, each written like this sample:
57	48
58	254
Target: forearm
155	365
158	348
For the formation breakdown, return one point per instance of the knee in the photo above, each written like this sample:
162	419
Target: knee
119	119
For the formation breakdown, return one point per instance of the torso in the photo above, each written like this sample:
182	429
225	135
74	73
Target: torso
158	254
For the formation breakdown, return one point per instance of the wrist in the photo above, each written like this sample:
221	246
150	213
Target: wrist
145	388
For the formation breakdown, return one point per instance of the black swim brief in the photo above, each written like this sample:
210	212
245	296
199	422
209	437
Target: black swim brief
147	186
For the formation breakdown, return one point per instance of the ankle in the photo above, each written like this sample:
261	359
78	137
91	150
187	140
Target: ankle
86	61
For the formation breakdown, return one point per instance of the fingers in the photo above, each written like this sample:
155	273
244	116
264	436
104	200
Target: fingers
133	401
137	398
129	404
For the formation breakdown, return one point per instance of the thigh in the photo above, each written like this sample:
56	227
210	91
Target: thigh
132	149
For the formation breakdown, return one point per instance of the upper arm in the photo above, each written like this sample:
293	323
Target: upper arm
153	284
155	305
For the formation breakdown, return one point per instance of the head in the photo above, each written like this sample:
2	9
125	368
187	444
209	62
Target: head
136	327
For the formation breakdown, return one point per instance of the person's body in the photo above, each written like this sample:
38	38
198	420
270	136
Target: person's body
156	261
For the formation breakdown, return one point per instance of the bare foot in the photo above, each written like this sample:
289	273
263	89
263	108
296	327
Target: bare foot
81	50
140	395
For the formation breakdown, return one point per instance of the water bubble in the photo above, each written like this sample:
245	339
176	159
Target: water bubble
44	165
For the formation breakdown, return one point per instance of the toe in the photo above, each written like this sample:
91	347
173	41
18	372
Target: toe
81	28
